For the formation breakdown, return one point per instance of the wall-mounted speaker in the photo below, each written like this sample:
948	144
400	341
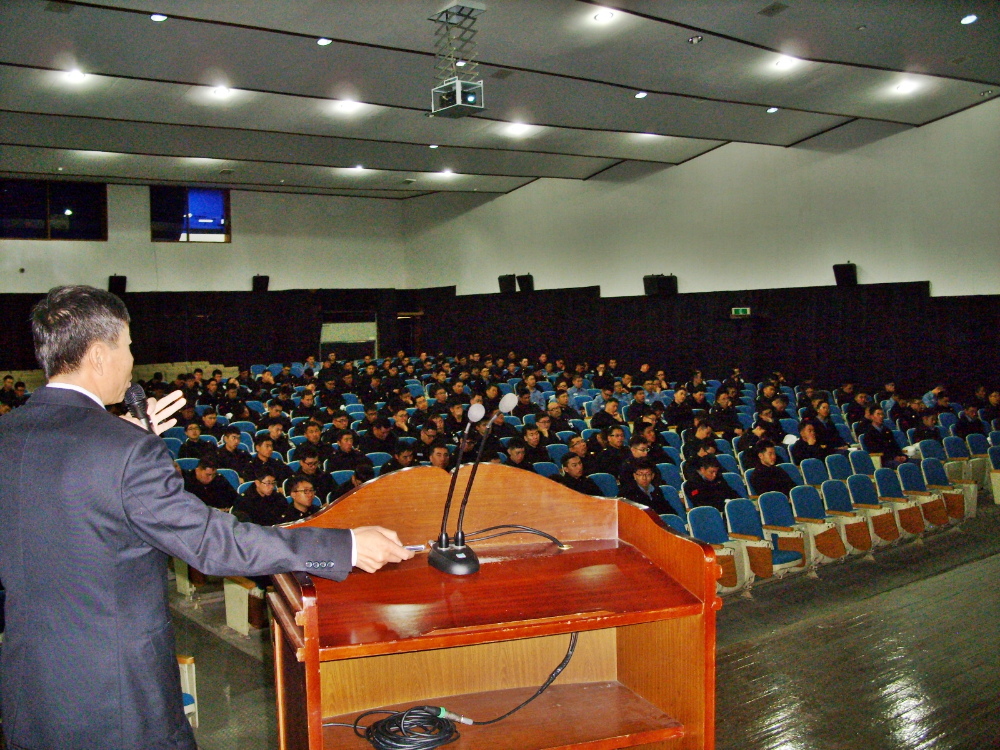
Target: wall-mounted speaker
659	285
526	283
508	283
260	283
846	274
116	284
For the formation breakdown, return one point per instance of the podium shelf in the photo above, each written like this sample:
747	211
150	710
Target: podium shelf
592	715
519	591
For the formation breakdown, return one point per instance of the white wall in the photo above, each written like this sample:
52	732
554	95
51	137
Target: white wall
921	205
300	241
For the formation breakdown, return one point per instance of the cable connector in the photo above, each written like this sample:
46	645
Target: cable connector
444	713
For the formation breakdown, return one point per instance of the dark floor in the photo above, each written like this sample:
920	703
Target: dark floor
901	653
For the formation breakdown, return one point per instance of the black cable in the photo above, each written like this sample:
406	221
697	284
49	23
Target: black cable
428	727
517	529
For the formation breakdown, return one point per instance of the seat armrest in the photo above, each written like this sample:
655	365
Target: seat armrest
745	537
917	493
809	520
867	505
843	513
770	527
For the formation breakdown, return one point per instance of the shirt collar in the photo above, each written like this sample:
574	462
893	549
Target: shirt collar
78	389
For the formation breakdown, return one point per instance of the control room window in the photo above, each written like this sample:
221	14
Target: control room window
53	210
182	214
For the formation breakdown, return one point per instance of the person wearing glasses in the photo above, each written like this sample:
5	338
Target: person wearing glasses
302	494
260	504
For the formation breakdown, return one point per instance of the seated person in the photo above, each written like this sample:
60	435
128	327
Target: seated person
808	445
428	437
260	504
264	456
314	439
501	429
440	456
879	438
707	487
779	406
608	417
204	483
194	446
638	451
275	415
557	421
969	423
210	423
362	473
568	410
230	454
525	406
379	438
347	458
724	418
767	475
311	468
279	440
307	407
515	455
991	411
679	412
772	428
826	431
702	443
302	494
656	452
573	476
187	415
534	447
401	426
401	459
578	447
458	394
284	398
546	434
339	421
642	488
610	459
439	400
765	398
927	429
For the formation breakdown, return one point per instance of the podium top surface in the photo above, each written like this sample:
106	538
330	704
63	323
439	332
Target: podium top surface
617	570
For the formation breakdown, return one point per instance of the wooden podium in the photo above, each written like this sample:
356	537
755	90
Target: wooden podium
641	597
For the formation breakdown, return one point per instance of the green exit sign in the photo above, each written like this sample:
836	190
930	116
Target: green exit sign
740	312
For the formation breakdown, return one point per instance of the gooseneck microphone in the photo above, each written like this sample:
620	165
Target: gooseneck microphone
135	400
476	413
459	559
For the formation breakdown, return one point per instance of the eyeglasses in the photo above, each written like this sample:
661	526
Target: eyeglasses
304	492
270	483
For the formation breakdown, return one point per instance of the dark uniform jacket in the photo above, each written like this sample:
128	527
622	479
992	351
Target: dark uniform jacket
218	493
702	492
586	485
88	658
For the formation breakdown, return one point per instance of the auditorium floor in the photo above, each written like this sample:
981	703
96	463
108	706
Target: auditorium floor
900	653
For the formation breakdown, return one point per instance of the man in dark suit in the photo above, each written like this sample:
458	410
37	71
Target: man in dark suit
88	656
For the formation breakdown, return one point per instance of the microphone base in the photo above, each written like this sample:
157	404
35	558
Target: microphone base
455	561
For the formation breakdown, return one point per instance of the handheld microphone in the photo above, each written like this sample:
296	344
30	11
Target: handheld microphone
135	400
476	412
458	559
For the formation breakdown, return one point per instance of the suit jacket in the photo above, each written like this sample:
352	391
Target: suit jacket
90	508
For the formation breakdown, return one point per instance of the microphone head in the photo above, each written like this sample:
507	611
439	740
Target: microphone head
507	403
135	395
476	413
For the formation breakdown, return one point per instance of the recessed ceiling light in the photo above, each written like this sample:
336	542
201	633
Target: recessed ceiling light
221	91
348	106
695	39
971	18
59	169
604	16
158	17
68	212
517	128
359	166
460	63
784	62
641	94
862	27
76	76
986	93
323	41
772	110
433	145
446	171
906	87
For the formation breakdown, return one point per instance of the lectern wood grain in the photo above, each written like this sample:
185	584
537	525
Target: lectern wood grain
642	598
